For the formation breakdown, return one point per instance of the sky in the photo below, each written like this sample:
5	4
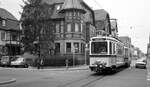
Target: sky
133	16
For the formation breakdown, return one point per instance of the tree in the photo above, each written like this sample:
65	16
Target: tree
37	27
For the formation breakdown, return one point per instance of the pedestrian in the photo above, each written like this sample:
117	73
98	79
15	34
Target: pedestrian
132	64
67	63
41	63
148	65
38	63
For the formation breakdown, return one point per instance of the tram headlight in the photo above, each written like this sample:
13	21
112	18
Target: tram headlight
94	65
104	63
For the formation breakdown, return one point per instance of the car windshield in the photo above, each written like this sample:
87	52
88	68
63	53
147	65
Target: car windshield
19	59
141	60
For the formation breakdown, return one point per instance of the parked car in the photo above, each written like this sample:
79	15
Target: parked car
19	61
140	63
6	60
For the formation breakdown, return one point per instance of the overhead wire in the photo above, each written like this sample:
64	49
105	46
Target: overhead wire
98	4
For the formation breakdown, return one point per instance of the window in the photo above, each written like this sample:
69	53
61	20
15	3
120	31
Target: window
62	27
70	14
79	14
7	36
14	37
76	27
99	48
76	47
3	36
110	47
57	28
119	49
114	49
3	22
68	47
81	26
57	47
82	47
68	27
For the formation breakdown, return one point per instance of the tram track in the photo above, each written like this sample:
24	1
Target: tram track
83	82
89	80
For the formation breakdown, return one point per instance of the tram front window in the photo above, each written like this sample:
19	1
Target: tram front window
99	48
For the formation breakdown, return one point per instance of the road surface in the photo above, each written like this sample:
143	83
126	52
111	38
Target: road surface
77	78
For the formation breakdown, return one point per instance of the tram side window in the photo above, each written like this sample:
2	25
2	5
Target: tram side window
110	47
120	50
114	49
99	48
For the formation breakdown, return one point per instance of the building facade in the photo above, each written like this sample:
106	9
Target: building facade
127	46
103	25
148	49
72	21
9	34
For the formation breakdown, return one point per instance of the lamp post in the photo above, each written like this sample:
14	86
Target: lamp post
73	56
37	43
86	48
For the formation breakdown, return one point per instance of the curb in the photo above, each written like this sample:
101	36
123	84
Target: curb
69	69
77	69
8	81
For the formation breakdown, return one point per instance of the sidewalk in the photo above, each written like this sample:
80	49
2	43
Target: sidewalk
5	80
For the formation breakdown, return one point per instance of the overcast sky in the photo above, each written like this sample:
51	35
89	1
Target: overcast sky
133	16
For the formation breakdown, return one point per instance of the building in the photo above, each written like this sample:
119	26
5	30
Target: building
114	28
73	23
9	34
126	40
103	25
127	46
148	49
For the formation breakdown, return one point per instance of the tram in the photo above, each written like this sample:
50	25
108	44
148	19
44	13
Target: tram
106	53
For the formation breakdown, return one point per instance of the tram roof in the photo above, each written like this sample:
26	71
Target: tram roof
106	38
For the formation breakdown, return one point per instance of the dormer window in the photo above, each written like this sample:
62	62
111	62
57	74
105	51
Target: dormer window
3	22
58	7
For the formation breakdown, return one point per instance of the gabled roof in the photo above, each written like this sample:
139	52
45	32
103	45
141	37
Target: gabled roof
6	15
12	23
50	2
100	15
72	4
